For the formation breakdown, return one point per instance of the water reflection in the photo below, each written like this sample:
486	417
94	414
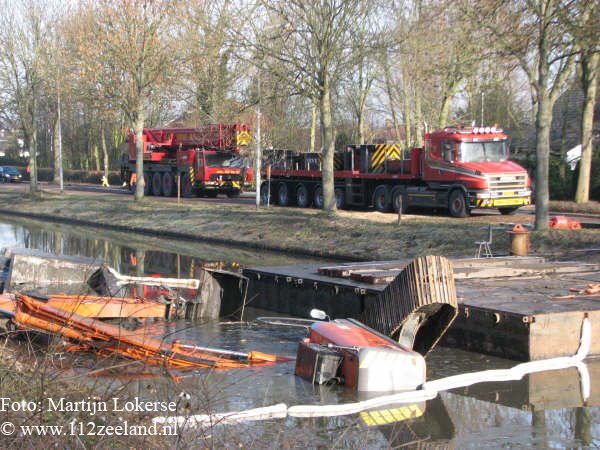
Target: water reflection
542	410
133	254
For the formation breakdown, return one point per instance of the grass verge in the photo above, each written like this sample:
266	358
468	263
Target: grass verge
349	235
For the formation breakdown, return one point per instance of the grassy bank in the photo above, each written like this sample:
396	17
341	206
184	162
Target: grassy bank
350	235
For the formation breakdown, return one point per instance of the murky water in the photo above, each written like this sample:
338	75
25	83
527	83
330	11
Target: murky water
544	410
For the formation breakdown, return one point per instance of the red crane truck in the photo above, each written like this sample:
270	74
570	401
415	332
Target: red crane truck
458	168
207	160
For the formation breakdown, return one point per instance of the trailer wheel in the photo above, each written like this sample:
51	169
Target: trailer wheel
399	200
283	194
340	200
457	204
318	197
264	193
302	197
147	184
508	210
186	185
169	187
381	199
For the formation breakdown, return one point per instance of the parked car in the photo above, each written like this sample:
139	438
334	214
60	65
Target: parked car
9	174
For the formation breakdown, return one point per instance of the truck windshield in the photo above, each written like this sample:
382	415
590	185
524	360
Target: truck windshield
486	151
224	160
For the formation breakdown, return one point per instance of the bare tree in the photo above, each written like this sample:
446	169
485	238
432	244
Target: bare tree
82	75
358	84
458	50
584	27
533	33
209	71
309	48
24	39
127	55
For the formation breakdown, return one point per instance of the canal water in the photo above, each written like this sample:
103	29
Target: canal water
544	410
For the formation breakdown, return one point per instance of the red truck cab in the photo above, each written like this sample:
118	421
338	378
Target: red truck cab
474	161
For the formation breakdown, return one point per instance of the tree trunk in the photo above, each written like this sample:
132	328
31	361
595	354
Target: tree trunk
328	146
361	117
447	102
32	125
33	171
104	151
313	125
138	128
407	110
390	94
363	92
589	77
56	146
418	117
542	152
96	157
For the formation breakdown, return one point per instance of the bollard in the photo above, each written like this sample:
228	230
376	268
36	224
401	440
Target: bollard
519	240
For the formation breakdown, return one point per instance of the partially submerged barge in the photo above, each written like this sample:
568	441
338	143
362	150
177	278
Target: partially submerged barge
523	308
415	307
515	307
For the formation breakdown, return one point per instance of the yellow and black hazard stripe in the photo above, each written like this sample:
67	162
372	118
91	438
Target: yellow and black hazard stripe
385	416
382	153
192	180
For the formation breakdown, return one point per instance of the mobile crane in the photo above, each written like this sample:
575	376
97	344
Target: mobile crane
207	160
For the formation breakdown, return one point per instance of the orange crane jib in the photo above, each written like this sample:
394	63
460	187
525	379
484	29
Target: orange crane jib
135	344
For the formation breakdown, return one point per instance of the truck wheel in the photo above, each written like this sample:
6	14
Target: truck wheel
457	204
147	184
264	193
340	200
508	210
381	199
283	195
157	183
399	200
302	197
186	185
318	197
233	194
169	187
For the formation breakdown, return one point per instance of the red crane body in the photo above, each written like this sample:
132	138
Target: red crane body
206	160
